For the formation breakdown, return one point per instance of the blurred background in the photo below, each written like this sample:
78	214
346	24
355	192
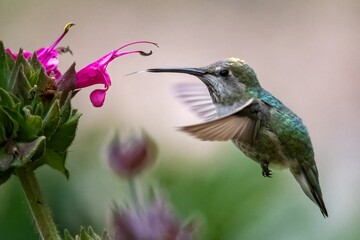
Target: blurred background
305	52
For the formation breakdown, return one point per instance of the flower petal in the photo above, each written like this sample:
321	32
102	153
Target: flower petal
97	97
26	54
91	75
48	57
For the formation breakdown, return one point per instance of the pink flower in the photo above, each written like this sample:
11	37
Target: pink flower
95	73
48	57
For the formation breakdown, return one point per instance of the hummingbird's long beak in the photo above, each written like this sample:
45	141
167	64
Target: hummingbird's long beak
192	71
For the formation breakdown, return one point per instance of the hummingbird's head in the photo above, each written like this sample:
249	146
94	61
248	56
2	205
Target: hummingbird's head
227	81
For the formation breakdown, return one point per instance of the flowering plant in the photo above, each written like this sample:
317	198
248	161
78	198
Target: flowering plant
38	121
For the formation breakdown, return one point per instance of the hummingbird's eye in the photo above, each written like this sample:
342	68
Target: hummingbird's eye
224	73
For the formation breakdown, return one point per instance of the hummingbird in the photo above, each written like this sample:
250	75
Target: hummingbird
259	124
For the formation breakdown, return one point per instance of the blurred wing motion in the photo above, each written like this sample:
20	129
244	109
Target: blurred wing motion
197	98
241	125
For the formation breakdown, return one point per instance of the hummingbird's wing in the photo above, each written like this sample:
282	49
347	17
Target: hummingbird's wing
197	98
242	125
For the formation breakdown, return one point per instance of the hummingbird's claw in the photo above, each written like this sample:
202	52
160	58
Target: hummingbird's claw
266	172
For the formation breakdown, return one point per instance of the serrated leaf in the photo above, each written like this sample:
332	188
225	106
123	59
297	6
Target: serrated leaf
67	235
22	86
4	68
13	76
34	62
14	115
20	63
28	124
33	78
24	63
105	235
37	107
56	160
36	69
30	151
31	125
65	110
65	134
86	234
52	119
42	80
10	124
5	160
6	99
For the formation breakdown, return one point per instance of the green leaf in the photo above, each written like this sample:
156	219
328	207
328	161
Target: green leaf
4	176
52	119
34	62
14	115
30	126
6	159
36	69
6	98
30	151
67	235
86	234
37	108
65	134
20	63
27	69
13	77
42	80
4	68
56	160
22	86
2	134
10	124
105	235
65	110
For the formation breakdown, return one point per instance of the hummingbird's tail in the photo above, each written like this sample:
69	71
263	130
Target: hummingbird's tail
308	178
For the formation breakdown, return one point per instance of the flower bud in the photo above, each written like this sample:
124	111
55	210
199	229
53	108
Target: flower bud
157	222
131	156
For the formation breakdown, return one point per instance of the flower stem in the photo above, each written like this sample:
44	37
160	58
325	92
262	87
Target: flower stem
40	211
136	192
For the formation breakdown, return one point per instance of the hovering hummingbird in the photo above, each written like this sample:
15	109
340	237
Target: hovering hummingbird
261	126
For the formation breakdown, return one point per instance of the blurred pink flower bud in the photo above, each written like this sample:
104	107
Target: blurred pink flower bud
157	222
129	157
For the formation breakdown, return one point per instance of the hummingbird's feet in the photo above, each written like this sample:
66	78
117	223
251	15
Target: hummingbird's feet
266	172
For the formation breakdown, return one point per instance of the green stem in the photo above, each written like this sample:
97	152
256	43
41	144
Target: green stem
135	191
40	211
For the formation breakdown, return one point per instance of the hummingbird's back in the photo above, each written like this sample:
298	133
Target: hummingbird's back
290	130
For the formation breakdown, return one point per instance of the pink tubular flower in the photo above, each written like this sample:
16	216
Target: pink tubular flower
95	73
48	57
92	74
